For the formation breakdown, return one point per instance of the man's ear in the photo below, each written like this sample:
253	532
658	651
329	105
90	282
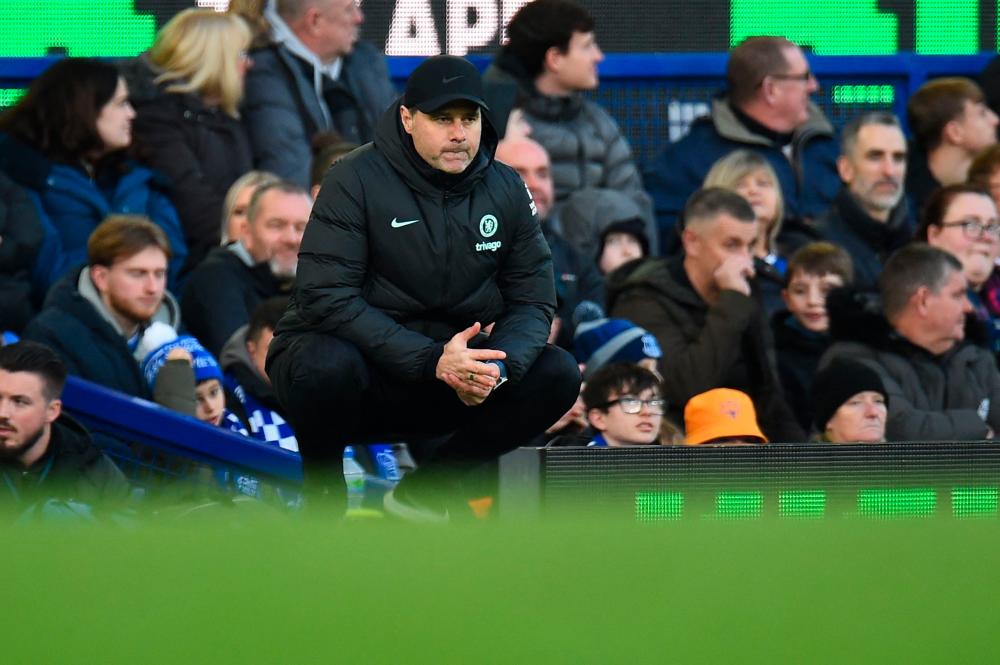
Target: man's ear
53	411
691	242
920	300
406	117
845	169
99	276
952	132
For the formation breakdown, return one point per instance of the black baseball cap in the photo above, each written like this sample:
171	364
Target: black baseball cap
441	79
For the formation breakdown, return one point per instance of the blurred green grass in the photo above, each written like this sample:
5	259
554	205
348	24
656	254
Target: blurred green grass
275	589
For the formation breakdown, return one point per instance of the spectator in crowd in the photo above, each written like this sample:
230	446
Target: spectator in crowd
316	77
97	317
550	60
602	341
702	311
767	110
223	291
951	124
210	399
624	405
985	172
387	304
237	202
67	142
327	149
20	240
45	455
870	218
721	417
245	377
607	225
939	388
187	90
750	175
962	220
850	403
577	278
801	333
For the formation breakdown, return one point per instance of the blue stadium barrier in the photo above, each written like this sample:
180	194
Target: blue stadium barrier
655	96
159	430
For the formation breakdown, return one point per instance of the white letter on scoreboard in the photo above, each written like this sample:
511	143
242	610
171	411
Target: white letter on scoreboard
471	23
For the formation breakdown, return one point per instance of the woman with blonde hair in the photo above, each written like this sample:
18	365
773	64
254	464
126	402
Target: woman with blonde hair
752	177
186	91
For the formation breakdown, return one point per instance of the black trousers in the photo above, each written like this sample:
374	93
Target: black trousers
335	397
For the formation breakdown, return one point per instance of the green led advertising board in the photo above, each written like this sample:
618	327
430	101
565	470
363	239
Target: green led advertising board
118	28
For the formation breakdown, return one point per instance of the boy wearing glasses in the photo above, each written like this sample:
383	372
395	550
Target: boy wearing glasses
624	406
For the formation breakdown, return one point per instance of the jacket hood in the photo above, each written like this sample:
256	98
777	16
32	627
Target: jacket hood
397	146
140	77
588	213
234	351
729	126
665	275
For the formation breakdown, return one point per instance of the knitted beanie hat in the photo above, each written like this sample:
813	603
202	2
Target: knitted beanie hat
602	341
838	382
204	363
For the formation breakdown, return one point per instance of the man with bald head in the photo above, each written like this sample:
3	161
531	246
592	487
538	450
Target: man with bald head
766	109
577	277
702	310
316	77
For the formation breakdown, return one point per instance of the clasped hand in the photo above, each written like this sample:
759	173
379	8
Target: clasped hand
466	370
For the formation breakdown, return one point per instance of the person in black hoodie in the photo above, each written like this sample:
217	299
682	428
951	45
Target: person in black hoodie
417	242
801	332
20	239
48	461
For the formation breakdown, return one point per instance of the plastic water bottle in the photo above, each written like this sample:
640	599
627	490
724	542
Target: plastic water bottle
354	474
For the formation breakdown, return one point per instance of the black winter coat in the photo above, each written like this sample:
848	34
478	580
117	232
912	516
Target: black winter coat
72	469
200	149
398	258
798	354
20	239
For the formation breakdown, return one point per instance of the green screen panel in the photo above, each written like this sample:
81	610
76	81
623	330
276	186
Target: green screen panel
974	501
804	503
9	96
882	94
828	27
653	506
897	502
79	27
946	26
738	505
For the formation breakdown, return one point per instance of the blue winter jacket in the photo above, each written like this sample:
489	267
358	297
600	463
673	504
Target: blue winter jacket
71	205
809	179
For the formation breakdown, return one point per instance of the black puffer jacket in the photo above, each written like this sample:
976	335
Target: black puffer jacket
398	257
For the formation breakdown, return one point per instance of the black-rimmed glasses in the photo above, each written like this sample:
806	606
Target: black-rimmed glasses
974	228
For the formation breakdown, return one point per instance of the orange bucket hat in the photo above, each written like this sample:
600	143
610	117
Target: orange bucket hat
720	413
